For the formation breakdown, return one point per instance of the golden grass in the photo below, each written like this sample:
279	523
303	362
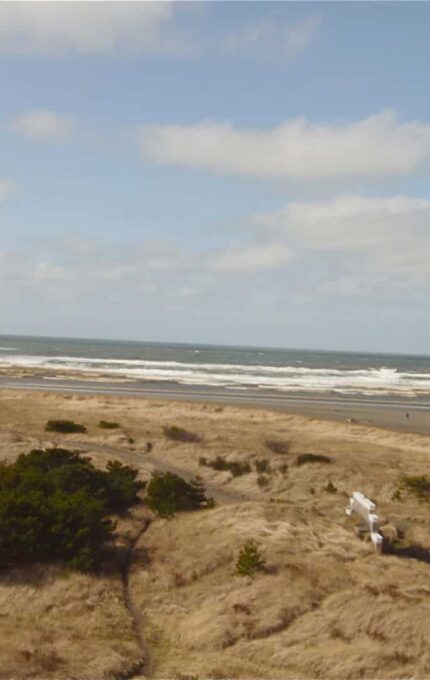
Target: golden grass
328	607
57	625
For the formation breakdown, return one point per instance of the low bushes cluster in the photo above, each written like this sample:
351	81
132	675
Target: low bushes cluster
179	434
304	458
64	426
55	505
416	485
168	493
236	467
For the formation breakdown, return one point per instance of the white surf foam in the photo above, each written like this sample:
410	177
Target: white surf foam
284	378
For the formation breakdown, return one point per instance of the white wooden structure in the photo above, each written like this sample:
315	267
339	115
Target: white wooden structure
365	508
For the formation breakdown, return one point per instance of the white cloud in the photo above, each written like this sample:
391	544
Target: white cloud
272	36
43	124
347	222
372	239
7	188
376	146
60	28
250	258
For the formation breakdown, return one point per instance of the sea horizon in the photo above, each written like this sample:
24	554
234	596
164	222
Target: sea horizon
227	345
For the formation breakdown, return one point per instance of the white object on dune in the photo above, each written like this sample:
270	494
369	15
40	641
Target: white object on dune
360	505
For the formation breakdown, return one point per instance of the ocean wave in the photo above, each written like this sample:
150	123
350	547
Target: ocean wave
380	380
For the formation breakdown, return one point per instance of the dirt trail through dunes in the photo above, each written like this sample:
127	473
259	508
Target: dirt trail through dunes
143	669
144	666
139	459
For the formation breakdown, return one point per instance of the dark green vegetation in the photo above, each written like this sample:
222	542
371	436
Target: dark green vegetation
304	458
220	463
55	505
64	426
179	434
249	561
108	425
417	485
167	494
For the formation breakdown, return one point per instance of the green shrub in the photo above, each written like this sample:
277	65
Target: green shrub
179	434
330	487
262	465
64	426
417	485
168	493
304	458
220	463
55	505
278	447
122	486
249	561
108	425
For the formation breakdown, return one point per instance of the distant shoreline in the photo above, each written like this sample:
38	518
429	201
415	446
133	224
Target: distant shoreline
388	412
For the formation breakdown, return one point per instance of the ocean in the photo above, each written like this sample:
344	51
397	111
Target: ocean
282	370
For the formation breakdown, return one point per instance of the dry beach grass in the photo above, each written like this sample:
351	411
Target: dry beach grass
327	606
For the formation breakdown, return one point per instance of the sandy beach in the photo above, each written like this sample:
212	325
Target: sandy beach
405	415
328	605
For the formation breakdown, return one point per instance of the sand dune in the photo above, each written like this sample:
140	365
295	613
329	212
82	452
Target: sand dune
328	606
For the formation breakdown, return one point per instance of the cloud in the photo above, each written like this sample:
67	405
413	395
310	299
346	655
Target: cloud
7	188
250	258
377	146
44	125
365	240
270	36
369	250
91	28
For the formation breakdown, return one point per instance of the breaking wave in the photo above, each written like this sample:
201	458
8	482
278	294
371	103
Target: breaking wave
282	378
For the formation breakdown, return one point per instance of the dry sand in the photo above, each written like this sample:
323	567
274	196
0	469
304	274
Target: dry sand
327	607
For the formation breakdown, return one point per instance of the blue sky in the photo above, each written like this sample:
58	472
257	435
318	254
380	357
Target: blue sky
244	173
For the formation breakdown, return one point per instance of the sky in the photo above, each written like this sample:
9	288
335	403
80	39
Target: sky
248	173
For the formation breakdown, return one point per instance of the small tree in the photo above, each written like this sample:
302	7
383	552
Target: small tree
249	561
168	494
122	485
